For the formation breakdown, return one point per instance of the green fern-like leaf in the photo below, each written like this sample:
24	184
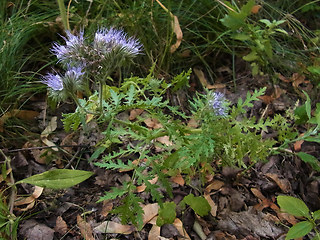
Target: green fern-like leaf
115	193
71	121
241	105
130	210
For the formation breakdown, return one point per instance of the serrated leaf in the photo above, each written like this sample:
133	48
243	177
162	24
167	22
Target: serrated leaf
130	95
293	206
71	121
167	214
199	204
299	230
58	178
114	193
115	97
130	210
316	215
313	161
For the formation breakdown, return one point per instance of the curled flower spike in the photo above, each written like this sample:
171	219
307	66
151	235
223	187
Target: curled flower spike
218	103
106	40
72	50
74	41
53	81
75	73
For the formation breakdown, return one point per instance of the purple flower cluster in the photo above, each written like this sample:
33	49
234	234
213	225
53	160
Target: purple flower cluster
75	74
72	50
77	54
71	80
54	81
218	103
105	40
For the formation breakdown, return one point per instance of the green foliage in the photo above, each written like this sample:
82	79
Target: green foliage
256	37
188	151
299	230
298	208
313	161
304	115
199	204
22	30
71	121
235	20
130	210
8	222
293	206
58	178
167	213
271	46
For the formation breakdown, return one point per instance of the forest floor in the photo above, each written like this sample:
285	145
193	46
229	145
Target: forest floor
243	201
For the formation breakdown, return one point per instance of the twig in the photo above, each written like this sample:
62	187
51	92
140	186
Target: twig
44	147
72	159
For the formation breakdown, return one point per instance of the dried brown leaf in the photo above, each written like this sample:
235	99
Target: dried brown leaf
154	233
36	194
152	123
266	99
283	184
106	207
38	155
193	123
28	207
165	140
201	77
85	228
215	185
297	144
22	114
178	224
143	186
48	130
213	206
257	193
114	227
150	211
216	86
61	226
177	30
134	113
178	179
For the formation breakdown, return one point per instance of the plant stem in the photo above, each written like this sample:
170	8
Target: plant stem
100	96
63	13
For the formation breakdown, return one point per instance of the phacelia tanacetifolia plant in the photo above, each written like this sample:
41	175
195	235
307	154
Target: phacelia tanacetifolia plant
83	60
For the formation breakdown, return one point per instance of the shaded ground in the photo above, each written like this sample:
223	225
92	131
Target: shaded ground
243	202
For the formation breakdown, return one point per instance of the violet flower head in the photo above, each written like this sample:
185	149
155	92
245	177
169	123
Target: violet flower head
74	41
53	81
218	103
106	40
75	73
71	50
